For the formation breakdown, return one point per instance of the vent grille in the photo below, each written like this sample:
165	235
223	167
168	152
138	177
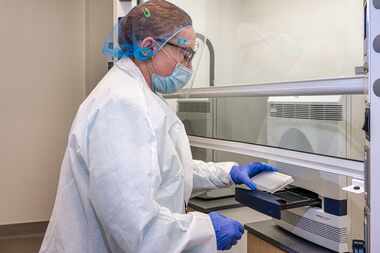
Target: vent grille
326	231
201	107
307	111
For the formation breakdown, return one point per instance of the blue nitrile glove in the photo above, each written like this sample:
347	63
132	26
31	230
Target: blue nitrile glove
228	231
243	174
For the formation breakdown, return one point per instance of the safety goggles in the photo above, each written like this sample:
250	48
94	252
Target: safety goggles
188	52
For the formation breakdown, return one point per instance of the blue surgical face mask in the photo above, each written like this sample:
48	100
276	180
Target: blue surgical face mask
169	84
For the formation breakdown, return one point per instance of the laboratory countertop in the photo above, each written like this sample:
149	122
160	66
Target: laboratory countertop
278	237
207	206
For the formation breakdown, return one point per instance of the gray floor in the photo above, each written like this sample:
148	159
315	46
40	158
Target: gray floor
21	245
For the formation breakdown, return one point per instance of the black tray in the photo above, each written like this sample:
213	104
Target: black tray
273	204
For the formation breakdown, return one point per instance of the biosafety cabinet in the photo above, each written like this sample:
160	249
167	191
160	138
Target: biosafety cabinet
294	83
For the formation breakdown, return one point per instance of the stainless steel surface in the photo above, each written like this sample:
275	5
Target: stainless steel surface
340	86
333	165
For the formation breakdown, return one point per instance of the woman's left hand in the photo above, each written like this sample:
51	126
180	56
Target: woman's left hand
243	174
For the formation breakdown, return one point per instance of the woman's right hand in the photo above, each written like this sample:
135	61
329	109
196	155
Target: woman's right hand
228	231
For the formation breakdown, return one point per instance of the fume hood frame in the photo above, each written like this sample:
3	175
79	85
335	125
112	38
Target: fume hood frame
369	83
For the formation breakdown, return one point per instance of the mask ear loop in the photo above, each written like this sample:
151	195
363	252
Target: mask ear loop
197	66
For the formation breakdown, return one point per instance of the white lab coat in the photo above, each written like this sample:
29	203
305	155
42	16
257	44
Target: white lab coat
127	175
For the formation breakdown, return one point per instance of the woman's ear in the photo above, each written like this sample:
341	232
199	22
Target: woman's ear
149	46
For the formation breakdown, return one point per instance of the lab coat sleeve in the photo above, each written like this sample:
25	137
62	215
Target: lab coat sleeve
207	176
123	168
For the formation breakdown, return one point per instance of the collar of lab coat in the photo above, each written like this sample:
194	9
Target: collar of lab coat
129	67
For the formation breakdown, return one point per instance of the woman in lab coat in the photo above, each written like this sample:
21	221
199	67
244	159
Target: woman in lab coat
128	172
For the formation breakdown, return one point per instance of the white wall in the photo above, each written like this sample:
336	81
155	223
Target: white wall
99	23
41	83
51	58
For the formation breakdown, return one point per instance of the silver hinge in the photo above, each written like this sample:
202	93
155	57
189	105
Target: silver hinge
361	70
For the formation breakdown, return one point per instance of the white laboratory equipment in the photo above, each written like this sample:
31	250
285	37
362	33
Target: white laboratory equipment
315	124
